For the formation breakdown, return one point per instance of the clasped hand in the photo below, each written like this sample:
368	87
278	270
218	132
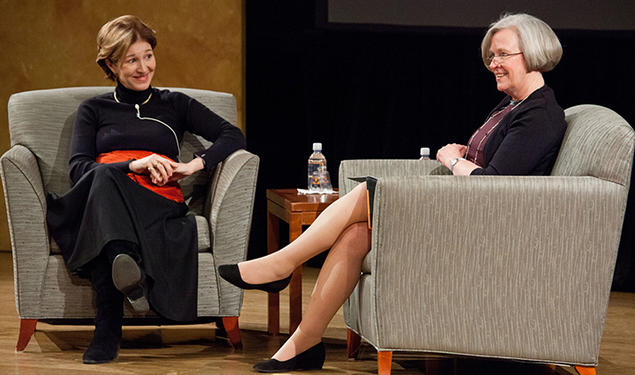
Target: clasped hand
163	170
449	152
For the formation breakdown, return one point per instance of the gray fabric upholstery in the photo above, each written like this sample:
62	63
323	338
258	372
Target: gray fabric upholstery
593	147
499	266
40	125
383	168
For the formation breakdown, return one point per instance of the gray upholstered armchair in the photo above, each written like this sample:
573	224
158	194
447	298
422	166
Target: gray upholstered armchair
502	267
40	124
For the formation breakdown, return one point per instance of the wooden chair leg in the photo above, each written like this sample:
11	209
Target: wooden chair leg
384	362
233	332
27	327
584	370
353	342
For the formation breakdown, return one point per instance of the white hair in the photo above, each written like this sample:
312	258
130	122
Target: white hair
540	45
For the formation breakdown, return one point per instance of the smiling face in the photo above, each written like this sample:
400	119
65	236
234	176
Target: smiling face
136	68
511	73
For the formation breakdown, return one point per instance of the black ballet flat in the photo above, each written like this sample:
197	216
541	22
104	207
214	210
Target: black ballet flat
310	359
128	278
231	273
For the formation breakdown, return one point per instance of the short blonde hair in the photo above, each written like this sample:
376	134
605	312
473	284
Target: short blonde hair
538	43
116	36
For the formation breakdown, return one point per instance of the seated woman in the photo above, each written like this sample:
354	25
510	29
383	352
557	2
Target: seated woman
124	224
521	136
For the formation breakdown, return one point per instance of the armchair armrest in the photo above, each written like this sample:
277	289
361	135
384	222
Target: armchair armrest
230	211
382	168
466	254
26	211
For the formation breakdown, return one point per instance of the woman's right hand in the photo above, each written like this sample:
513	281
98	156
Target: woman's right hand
449	152
159	169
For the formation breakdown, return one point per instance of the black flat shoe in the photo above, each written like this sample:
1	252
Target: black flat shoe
310	359
128	278
231	273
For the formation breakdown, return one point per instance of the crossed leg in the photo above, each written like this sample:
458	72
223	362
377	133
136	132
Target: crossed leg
322	234
336	281
343	227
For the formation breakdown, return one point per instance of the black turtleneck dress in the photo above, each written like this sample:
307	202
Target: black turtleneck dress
105	205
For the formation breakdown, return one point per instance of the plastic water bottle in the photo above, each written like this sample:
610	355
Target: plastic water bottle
425	153
316	169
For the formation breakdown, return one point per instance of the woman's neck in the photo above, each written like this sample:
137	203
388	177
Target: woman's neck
126	95
534	81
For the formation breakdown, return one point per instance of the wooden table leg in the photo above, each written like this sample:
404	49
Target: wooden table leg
295	288
353	343
273	299
295	300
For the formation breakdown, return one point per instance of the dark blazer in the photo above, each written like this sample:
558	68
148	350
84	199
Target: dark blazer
527	140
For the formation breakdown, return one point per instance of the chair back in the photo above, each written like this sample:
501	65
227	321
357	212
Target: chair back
42	121
598	142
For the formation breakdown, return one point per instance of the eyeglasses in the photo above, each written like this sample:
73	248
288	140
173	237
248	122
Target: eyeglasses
502	57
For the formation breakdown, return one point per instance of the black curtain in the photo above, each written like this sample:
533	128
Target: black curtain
379	92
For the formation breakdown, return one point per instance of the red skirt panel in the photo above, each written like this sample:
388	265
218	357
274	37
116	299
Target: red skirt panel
171	190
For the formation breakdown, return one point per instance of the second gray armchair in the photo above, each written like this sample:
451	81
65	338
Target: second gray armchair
496	266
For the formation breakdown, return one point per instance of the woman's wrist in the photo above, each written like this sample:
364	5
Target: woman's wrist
131	165
464	167
454	162
197	164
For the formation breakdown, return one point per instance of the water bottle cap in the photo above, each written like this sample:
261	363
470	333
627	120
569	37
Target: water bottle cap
317	146
424	151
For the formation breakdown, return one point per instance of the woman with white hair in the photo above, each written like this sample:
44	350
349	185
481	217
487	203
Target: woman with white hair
521	136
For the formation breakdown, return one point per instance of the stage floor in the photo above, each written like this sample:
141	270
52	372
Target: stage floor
197	349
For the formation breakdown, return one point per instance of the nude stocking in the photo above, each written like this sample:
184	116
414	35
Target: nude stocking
336	281
322	234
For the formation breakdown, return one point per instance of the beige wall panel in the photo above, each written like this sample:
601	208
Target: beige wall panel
47	44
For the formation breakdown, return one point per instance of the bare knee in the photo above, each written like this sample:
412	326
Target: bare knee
355	240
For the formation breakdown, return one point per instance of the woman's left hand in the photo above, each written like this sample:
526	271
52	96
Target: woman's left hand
157	167
449	152
186	169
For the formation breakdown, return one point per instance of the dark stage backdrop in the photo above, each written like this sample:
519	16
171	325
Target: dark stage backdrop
384	92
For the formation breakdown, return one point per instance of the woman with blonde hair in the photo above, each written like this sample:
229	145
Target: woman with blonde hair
124	224
521	136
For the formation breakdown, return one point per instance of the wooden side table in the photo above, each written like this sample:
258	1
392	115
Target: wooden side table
296	210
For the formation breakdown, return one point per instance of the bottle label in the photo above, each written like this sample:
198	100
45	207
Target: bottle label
318	178
314	173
